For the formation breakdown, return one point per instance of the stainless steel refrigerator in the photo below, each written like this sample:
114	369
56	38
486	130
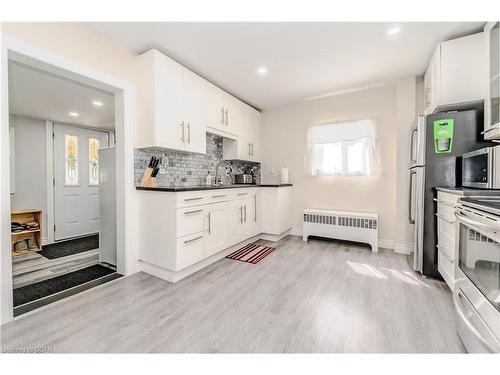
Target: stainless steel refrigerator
430	168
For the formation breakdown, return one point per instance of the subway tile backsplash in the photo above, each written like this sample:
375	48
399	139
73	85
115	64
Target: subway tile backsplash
187	168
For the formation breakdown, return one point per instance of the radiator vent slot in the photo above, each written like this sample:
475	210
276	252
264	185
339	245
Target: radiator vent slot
476	236
343	221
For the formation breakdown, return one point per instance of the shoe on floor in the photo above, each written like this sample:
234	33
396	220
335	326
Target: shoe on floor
21	246
32	245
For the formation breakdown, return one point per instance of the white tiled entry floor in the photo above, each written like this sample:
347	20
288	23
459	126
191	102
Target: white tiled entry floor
318	296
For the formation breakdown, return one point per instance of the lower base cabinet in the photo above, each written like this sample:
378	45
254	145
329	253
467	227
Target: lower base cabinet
179	229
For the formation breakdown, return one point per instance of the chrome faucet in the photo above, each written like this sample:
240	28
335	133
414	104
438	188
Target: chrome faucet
229	171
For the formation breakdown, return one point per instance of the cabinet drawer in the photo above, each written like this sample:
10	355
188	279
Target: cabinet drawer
189	220
191	198
189	250
446	269
447	212
446	238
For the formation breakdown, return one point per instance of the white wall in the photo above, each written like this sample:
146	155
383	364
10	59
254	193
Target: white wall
30	166
284	134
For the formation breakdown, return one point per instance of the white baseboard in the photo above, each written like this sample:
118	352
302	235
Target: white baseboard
403	248
174	276
386	244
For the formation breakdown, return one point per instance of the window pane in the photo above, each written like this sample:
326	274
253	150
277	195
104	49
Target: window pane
355	158
71	162
94	161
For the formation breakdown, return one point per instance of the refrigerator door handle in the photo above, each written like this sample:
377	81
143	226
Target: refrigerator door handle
413	131
411	219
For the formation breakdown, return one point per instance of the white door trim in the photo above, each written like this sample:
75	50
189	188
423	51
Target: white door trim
13	49
49	148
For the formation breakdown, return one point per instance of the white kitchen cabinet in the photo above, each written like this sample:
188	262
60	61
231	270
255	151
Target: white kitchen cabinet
216	228
452	80
276	203
215	111
171	105
492	79
247	146
446	235
181	229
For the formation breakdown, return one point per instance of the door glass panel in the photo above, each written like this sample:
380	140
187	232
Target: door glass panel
479	260
94	144
71	159
475	168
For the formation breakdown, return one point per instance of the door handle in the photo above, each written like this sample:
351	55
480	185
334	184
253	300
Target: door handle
412	133
241	214
222	112
255	208
445	219
192	199
252	148
245	213
209	223
218	196
249	152
194	239
227	117
192	212
410	182
189	132
182	126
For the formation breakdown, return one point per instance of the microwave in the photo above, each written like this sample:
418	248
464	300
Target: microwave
479	168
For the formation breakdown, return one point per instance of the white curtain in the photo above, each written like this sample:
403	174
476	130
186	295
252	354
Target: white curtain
342	149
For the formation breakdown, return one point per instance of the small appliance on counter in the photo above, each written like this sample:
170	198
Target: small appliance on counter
480	168
243	178
477	274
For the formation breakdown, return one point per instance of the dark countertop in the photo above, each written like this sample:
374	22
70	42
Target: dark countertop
205	187
468	191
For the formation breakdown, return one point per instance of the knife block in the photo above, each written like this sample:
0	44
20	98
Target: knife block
147	180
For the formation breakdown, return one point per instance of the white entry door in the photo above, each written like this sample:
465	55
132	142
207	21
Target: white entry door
76	186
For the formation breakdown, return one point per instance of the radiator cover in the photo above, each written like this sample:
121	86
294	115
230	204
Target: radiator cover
342	225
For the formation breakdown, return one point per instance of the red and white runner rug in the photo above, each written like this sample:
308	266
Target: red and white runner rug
251	253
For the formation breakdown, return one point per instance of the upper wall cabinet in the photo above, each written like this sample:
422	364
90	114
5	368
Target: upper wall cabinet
247	146
171	105
492	78
453	78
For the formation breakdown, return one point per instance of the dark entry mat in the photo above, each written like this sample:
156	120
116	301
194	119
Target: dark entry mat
57	284
70	247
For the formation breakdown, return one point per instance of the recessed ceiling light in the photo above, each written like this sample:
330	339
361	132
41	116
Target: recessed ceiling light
262	70
97	103
74	114
393	31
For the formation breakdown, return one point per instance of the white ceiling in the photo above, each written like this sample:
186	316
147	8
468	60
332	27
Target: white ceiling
304	59
41	95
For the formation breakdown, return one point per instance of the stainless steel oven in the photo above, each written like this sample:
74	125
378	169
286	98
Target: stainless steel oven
477	273
478	168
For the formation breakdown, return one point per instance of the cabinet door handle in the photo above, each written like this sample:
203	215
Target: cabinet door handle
222	112
242	193
209	224
193	239
249	148
189	132
218	196
443	218
252	148
182	126
227	117
241	214
245	213
255	208
192	199
192	212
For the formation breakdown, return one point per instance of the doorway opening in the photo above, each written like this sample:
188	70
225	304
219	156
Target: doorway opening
62	186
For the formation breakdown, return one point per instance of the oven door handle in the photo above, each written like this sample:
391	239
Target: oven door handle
464	219
457	297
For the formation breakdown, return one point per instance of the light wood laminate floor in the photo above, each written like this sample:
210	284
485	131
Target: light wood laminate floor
305	297
31	268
